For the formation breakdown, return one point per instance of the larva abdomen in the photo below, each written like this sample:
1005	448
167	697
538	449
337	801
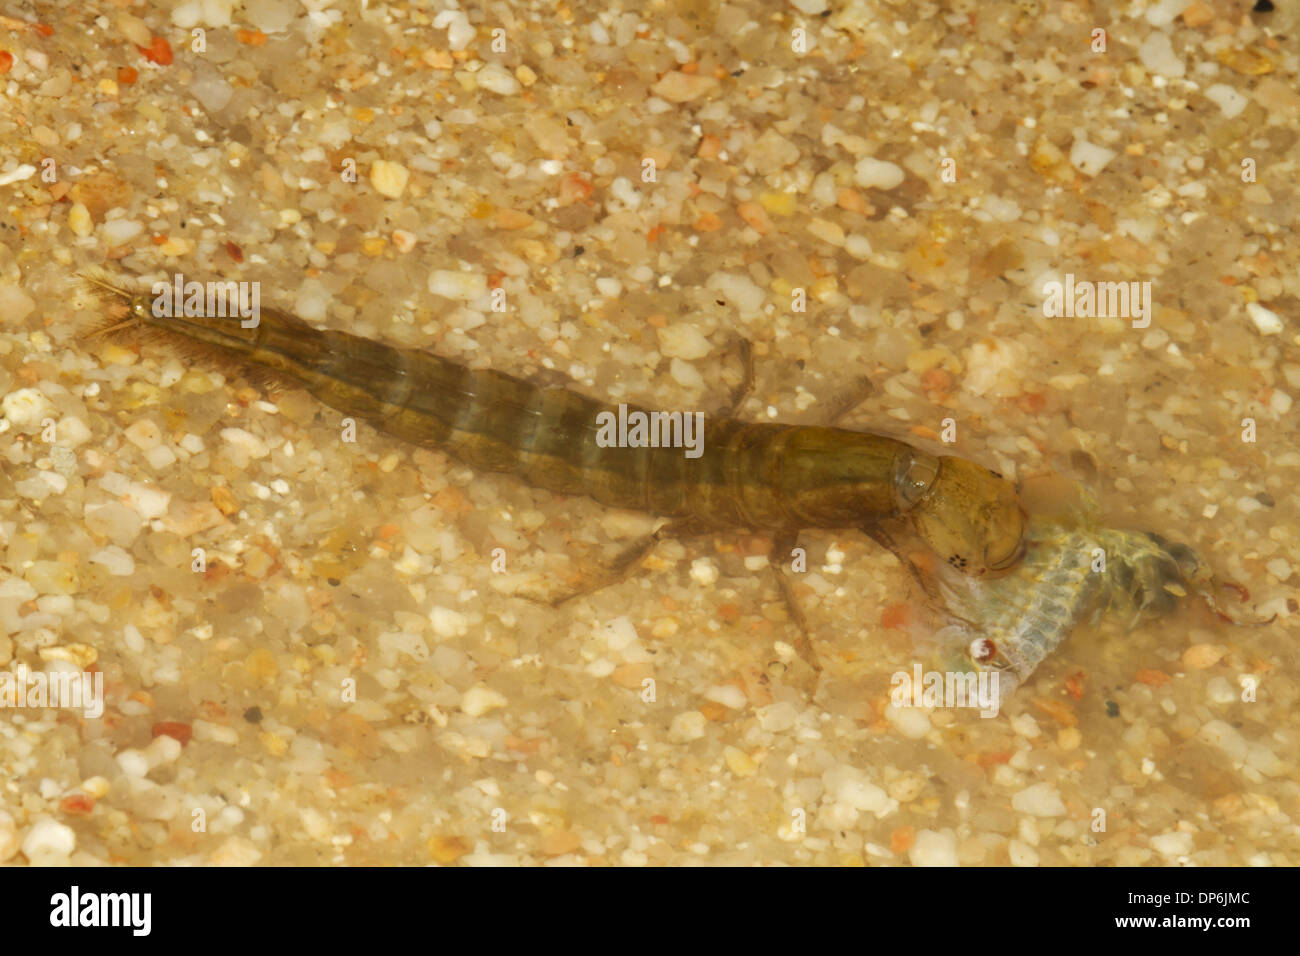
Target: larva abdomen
726	474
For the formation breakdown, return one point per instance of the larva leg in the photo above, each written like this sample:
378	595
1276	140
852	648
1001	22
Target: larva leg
849	400
886	541
626	562
745	351
782	545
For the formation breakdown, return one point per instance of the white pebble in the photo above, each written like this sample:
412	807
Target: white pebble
404	241
1175	843
858	246
49	841
688	725
1227	99
185	15
217	13
248	444
728	695
1219	691
1025	726
1089	158
41	486
217	733
1218	733
149	503
133	763
1040	800
17	174
26	408
1022	854
601	667
685	374
911	722
1154	339
1266	320
739	291
872	173
934	848
270	16
448	622
118	562
17	589
143	434
459	31
622	190
72	431
852	791
117	232
704	572
477	701
495	78
211	89
163	749
777	718
160	457
824	189
1157	55
1280	568
618	633
393	643
453	284
312	301
609	287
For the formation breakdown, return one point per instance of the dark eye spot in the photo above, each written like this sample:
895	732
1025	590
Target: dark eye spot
982	650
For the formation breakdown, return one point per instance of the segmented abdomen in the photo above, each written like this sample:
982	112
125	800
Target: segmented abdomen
756	475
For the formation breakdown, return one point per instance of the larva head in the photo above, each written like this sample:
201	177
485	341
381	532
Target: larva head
971	517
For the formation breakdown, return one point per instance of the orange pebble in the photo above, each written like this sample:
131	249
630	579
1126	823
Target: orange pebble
173	729
77	804
708	222
894	616
902	839
159	51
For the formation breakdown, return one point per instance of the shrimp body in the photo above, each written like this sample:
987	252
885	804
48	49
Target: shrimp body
1071	572
761	476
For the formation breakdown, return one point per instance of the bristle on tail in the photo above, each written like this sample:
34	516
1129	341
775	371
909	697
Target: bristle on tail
114	300
118	325
102	285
